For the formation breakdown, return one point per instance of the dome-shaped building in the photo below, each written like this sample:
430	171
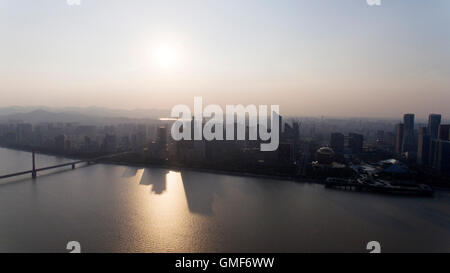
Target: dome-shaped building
325	155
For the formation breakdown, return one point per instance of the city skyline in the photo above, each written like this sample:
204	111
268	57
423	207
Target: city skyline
338	144
340	59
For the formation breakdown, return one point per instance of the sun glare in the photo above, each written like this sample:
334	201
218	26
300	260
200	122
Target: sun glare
167	55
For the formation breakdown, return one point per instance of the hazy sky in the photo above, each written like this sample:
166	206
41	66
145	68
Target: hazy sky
317	57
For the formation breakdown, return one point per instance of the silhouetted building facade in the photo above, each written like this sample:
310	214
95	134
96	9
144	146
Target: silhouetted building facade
434	120
355	143
337	141
444	131
408	144
398	138
60	143
109	144
24	134
423	147
441	158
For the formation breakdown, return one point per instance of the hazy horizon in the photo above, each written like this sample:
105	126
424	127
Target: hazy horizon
313	58
142	113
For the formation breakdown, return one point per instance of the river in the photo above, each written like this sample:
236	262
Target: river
114	208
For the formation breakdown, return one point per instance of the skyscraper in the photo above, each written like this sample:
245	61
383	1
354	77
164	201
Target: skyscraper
398	138
443	132
434	120
355	143
337	142
423	147
442	156
408	145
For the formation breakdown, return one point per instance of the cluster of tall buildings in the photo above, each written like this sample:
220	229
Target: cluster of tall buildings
426	145
432	148
353	143
71	138
244	153
370	141
152	143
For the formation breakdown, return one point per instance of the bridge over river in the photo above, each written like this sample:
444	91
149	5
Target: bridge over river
35	170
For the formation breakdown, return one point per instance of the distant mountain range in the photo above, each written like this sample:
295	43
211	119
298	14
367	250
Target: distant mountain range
86	115
101	115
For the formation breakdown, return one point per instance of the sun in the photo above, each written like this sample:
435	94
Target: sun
167	55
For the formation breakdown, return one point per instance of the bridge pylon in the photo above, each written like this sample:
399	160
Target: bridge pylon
33	172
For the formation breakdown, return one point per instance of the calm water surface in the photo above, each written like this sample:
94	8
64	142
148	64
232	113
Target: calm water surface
110	208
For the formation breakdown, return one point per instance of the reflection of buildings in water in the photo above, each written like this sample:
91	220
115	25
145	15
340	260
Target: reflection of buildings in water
200	189
130	172
154	177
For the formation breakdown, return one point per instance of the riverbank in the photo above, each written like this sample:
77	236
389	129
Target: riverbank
174	167
42	152
213	171
185	168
